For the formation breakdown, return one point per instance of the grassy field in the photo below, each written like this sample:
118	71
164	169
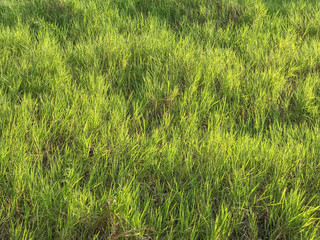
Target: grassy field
159	119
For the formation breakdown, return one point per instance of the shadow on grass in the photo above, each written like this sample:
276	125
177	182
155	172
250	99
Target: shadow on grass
178	14
66	19
8	17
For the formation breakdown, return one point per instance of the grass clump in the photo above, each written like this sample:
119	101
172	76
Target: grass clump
158	119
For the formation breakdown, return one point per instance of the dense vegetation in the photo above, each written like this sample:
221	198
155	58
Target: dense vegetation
159	119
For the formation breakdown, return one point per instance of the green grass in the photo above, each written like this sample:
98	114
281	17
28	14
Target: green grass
159	119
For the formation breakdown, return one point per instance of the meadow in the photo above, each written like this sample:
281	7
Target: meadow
159	119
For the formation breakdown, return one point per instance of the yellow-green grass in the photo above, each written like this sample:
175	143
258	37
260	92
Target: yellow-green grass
159	119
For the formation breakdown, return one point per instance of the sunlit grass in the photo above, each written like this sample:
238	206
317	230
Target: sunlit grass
149	119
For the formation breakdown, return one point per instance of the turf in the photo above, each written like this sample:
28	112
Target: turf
159	119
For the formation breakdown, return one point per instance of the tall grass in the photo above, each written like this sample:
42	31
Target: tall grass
149	119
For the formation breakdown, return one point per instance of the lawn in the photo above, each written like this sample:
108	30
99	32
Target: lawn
160	119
